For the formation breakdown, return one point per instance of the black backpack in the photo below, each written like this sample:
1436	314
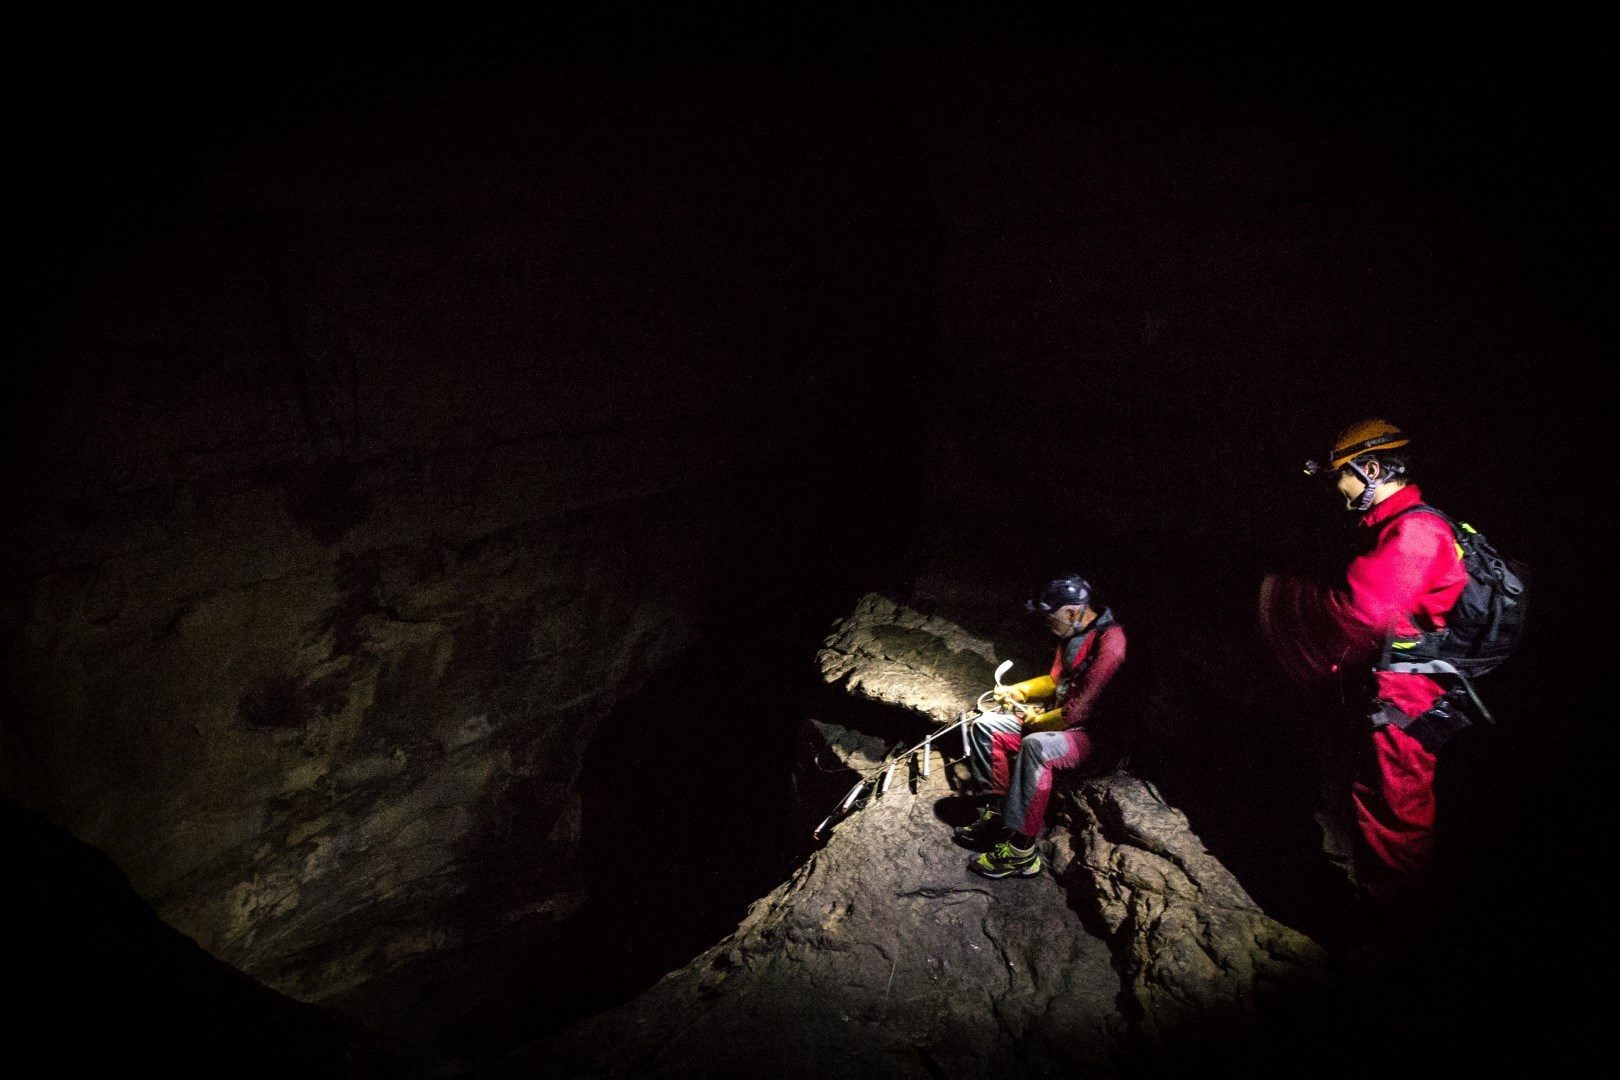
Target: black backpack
1482	629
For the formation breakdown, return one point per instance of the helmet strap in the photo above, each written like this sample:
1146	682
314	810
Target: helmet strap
1369	486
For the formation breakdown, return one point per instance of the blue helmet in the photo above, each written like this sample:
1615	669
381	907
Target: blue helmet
1061	591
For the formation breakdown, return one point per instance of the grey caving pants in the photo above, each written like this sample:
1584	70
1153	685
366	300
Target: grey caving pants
1007	762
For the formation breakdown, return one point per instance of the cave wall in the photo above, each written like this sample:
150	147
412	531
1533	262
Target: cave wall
373	451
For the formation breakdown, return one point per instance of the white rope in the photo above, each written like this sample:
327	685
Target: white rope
987	704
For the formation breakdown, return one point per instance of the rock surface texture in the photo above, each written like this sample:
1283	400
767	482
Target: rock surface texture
889	653
1135	950
301	752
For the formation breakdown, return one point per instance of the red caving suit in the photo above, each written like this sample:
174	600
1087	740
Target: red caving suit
1409	577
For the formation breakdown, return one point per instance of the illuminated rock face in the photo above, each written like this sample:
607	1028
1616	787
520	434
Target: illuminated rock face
891	654
303	752
360	477
882	952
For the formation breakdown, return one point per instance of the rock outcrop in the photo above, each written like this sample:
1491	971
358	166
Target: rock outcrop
1135	950
881	954
1202	968
887	652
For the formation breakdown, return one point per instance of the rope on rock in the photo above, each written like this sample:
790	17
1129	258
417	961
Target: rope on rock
883	775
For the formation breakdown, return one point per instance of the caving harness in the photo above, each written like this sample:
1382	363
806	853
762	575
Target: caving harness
1074	665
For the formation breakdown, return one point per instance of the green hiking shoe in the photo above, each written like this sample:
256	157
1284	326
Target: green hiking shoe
982	831
1004	860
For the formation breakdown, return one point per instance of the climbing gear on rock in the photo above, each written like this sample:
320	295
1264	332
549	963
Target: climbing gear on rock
984	830
1005	860
879	779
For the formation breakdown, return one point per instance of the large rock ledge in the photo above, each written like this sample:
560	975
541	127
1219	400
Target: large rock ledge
1135	950
888	653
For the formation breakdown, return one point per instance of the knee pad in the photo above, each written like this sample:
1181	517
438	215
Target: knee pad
1046	745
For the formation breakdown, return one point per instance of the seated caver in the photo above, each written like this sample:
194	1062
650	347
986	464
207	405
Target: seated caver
1012	760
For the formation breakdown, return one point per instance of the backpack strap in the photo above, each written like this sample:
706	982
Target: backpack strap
1422	508
1072	647
1458	533
1478	555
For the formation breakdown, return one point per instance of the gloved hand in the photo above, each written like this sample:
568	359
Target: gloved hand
1040	687
1046	721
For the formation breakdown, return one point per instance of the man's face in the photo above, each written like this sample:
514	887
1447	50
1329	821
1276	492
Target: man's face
1350	486
1062	621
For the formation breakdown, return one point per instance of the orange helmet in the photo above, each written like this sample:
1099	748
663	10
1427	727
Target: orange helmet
1357	439
1365	437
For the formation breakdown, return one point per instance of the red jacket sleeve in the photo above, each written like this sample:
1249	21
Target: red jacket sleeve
1317	629
1110	654
1305	641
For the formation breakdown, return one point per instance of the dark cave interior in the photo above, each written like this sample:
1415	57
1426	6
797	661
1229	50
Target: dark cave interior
339	334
